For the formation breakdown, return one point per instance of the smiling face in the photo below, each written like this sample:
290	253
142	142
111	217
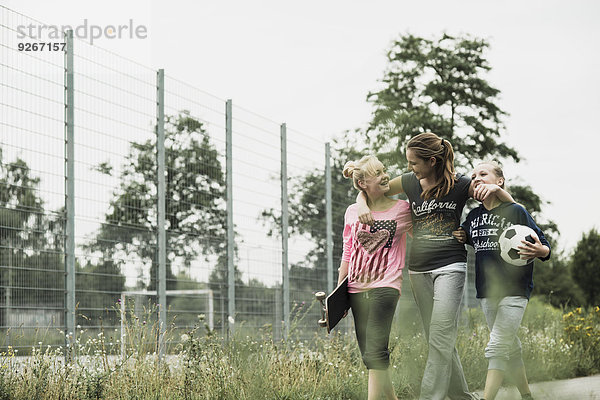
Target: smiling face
485	173
377	184
421	167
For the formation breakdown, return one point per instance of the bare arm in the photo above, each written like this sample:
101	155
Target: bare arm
363	210
504	196
395	186
483	191
529	251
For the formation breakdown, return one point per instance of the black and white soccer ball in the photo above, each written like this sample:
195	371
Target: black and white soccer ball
510	240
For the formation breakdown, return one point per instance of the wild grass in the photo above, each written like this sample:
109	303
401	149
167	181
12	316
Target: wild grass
556	344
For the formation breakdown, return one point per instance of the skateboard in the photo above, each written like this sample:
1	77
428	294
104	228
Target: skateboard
334	306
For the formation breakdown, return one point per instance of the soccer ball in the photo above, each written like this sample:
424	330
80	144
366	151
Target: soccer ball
509	241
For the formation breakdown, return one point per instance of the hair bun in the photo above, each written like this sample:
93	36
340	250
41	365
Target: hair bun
349	168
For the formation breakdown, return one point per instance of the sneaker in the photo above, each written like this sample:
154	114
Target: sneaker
527	396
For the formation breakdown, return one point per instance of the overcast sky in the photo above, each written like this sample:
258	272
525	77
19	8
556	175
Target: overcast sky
311	64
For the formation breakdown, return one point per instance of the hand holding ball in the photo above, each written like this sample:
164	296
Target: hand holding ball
510	240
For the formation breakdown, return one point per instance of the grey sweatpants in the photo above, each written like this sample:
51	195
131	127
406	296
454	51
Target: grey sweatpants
504	317
438	296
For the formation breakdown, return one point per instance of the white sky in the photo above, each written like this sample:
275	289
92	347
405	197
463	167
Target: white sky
311	63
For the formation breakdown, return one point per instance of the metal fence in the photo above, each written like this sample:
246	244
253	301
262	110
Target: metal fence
126	192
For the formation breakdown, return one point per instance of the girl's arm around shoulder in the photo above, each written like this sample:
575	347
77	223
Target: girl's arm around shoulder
504	196
483	191
363	210
395	186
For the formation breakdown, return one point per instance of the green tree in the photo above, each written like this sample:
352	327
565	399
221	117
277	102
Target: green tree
554	283
438	86
195	201
307	217
533	203
584	266
31	243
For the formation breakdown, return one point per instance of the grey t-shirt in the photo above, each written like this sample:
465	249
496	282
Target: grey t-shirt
433	245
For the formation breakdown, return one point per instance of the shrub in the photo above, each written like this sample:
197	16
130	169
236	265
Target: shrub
582	333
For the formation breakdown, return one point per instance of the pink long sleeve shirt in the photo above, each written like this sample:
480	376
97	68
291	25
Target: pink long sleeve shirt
376	254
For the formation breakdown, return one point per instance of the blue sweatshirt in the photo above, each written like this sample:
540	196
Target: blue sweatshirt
494	277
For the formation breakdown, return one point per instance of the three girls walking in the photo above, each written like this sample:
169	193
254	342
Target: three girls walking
437	269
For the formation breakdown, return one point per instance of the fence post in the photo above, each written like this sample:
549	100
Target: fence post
160	212
8	290
285	276
70	195
329	218
230	242
278	317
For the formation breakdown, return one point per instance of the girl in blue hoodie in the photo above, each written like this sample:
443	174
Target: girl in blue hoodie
503	288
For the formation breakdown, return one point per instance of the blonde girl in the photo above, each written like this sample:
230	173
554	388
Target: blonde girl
372	262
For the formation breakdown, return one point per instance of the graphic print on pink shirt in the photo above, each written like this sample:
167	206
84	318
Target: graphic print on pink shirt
370	250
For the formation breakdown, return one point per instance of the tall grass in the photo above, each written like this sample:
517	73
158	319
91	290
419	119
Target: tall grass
556	344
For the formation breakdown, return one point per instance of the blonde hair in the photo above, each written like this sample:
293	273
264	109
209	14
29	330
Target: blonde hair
427	145
496	169
361	169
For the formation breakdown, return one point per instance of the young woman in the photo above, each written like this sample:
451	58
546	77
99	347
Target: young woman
373	259
437	262
503	288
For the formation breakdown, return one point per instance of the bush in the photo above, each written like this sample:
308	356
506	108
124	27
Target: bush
582	333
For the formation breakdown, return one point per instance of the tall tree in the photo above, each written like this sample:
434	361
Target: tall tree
31	242
438	86
584	266
195	200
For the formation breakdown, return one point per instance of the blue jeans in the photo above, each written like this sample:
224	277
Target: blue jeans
504	317
373	313
438	296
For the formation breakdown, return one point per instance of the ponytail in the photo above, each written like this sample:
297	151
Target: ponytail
427	145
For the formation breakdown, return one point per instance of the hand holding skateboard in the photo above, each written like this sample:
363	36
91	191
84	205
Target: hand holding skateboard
335	306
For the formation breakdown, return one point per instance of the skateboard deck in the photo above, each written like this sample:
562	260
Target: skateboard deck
334	306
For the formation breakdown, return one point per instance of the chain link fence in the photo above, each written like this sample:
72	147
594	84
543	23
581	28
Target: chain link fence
82	201
126	193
